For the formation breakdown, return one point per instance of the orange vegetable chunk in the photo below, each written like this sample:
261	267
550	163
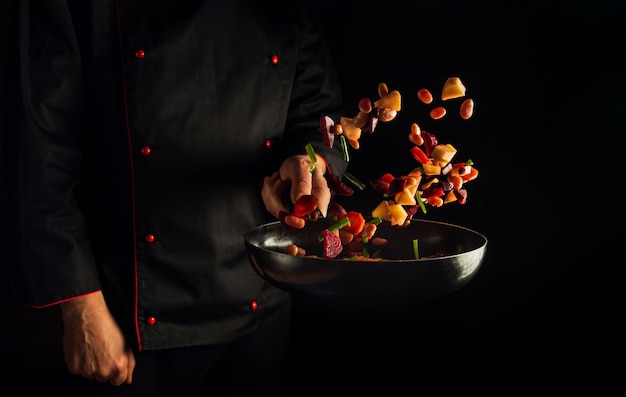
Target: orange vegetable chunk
452	88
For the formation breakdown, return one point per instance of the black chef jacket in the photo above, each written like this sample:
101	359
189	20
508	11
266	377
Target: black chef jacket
141	133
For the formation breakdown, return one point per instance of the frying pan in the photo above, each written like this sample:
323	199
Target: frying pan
450	255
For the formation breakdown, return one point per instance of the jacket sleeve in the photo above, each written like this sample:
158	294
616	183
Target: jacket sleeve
53	256
316	93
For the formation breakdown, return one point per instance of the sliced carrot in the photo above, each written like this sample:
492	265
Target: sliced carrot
357	222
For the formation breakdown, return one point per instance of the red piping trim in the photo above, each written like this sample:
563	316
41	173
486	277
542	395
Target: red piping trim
55	302
132	174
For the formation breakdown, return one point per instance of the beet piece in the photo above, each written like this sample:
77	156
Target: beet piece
396	186
447	186
461	196
326	124
370	127
282	215
336	209
331	244
411	211
338	186
430	141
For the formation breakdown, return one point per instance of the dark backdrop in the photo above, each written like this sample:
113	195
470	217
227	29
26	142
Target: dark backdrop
548	81
547	134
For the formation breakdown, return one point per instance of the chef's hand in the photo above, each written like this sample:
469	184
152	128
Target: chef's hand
294	174
93	344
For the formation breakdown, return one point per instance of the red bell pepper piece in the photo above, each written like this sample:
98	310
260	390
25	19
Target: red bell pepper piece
304	205
419	155
433	191
381	185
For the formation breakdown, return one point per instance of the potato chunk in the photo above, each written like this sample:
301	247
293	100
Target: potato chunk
453	88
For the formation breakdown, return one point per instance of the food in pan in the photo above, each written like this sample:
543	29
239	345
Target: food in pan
438	178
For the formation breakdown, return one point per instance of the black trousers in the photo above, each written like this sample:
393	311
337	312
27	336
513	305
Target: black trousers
255	366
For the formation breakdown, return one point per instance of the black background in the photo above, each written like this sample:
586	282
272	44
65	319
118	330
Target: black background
547	137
